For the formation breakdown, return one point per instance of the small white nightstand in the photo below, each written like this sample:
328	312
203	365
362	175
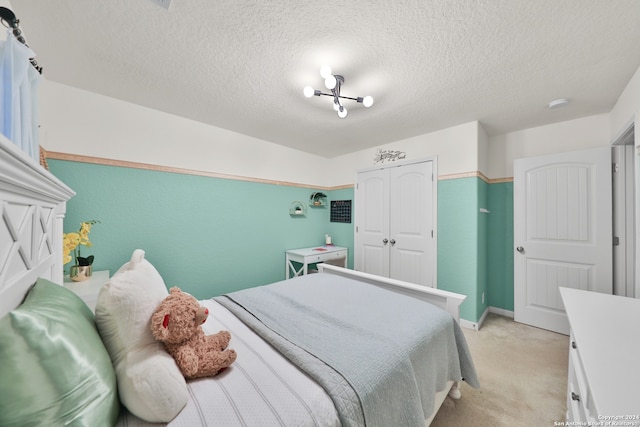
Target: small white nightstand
88	289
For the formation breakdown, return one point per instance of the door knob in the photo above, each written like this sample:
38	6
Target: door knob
385	241
393	241
520	249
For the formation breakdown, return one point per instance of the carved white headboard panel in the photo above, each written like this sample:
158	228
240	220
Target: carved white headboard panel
32	207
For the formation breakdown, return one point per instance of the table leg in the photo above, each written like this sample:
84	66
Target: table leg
287	267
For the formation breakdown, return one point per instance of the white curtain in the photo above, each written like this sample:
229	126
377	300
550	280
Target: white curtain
18	92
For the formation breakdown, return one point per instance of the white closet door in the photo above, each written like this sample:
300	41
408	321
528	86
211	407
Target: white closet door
394	222
372	223
411	213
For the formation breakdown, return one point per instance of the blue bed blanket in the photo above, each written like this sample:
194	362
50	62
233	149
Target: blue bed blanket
381	356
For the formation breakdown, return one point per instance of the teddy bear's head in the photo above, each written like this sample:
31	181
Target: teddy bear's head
178	317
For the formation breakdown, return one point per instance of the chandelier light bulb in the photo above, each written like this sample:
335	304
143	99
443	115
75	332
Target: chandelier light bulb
308	91
330	82
367	101
325	71
342	112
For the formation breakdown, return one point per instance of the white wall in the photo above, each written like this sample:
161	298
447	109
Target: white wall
587	132
626	109
84	123
456	148
484	157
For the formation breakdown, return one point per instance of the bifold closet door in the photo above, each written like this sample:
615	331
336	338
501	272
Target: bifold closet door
394	223
371	242
411	222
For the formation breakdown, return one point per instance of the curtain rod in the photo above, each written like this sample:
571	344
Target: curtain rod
9	18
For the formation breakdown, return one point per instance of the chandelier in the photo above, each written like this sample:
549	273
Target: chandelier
334	82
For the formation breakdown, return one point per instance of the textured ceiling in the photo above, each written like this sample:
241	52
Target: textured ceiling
429	64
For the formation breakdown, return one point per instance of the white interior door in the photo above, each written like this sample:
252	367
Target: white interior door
371	214
562	232
410	232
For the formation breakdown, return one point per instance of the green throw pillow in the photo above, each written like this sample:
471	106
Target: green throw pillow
54	369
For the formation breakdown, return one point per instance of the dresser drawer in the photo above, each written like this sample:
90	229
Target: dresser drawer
580	405
575	409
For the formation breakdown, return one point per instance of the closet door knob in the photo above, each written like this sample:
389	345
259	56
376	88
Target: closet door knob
385	241
575	397
520	249
393	241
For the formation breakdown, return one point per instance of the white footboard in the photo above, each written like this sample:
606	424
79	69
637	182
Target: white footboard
448	301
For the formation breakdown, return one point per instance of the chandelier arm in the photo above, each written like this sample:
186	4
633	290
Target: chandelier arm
339	96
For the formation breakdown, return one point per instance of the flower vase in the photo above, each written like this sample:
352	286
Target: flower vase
78	273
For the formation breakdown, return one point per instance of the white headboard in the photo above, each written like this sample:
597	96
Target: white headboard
32	207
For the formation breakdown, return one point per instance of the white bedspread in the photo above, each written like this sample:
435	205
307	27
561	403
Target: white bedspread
261	388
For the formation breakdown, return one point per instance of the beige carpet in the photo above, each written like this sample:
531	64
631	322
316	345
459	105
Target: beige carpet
523	378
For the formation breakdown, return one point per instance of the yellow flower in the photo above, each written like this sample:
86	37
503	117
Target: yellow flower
71	241
85	228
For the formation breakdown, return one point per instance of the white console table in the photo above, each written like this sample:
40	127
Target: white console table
604	367
312	255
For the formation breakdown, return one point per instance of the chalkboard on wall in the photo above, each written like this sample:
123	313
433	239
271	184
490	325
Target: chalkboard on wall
341	211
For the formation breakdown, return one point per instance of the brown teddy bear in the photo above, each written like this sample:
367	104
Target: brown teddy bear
177	323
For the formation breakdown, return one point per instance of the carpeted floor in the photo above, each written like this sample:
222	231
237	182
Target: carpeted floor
523	378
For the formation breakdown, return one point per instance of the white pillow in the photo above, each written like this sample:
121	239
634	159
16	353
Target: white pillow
150	383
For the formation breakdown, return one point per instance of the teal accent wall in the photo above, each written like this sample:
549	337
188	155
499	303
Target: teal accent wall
475	249
212	235
207	235
500	245
342	233
484	213
458	229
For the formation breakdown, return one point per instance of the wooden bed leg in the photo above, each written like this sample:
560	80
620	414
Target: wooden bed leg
455	393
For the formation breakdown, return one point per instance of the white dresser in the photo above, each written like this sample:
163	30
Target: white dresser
604	358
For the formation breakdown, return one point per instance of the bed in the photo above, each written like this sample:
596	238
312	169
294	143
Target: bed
290	370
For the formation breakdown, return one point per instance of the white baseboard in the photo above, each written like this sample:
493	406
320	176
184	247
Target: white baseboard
477	325
468	324
474	325
501	312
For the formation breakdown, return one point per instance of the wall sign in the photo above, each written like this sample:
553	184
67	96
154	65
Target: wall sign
388	156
